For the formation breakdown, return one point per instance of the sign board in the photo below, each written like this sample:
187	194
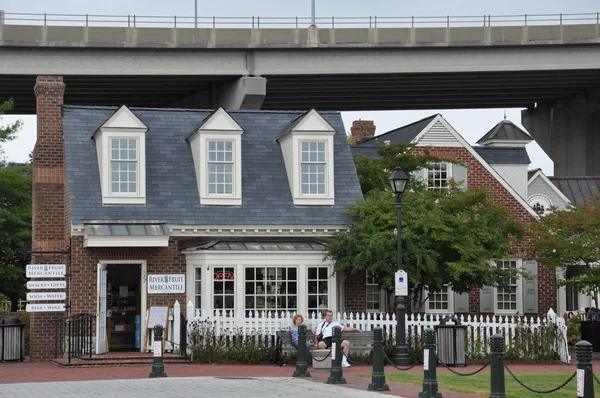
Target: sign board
333	350
45	270
35	296
172	283
31	285
45	308
157	348
401	283
580	381
426	359
158	316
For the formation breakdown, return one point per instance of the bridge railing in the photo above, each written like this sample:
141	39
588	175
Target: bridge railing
176	21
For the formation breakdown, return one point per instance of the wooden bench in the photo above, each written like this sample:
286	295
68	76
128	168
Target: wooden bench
359	343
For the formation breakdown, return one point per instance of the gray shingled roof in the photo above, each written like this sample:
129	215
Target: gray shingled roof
531	173
505	131
404	134
371	151
577	189
503	155
171	189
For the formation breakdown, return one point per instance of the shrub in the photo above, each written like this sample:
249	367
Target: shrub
573	330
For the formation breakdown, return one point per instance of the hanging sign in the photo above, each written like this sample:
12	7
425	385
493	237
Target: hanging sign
46	296
174	283
45	308
401	283
32	285
45	270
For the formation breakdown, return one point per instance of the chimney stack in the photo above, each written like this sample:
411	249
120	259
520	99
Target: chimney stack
362	129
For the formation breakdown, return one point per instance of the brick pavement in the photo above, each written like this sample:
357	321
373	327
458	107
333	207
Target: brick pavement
41	372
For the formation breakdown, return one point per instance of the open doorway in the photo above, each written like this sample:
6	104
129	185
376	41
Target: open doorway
123	302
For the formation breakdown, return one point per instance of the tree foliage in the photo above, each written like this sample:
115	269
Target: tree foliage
570	239
15	219
448	236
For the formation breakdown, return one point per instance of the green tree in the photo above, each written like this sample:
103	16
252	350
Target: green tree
448	236
8	132
570	239
15	219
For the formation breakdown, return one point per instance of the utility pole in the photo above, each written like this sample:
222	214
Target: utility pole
196	14
312	13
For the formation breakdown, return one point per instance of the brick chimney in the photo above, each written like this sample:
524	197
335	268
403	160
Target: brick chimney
362	129
51	228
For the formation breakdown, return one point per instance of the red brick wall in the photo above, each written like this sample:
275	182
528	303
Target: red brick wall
49	232
355	292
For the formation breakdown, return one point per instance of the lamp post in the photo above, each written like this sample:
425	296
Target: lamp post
398	181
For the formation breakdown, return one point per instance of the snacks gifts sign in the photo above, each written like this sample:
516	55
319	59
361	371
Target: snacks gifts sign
169	283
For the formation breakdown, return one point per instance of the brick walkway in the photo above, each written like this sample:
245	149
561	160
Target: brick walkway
39	372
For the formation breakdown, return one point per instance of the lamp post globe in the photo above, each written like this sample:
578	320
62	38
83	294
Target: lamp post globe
398	180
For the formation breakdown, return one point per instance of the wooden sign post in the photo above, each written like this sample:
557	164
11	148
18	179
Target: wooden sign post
158	315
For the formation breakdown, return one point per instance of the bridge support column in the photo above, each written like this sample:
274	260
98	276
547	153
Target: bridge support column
247	92
568	129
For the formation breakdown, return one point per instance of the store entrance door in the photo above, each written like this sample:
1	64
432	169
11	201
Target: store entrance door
123	307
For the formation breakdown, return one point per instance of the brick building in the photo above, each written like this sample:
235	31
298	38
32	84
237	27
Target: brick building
500	166
238	203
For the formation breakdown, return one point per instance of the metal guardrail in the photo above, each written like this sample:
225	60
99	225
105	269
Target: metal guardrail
175	21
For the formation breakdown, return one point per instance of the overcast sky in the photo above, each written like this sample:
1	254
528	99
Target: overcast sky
471	124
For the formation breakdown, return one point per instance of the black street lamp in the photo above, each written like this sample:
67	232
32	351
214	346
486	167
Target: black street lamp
398	180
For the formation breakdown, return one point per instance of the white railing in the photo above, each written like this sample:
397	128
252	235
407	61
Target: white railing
256	22
479	328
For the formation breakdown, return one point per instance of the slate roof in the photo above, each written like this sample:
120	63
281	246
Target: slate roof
171	188
503	155
531	173
404	134
577	189
505	131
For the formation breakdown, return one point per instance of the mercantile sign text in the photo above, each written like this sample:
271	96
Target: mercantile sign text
172	283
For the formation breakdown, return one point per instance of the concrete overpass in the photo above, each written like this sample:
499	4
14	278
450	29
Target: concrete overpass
553	71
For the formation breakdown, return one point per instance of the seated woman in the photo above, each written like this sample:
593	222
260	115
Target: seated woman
297	321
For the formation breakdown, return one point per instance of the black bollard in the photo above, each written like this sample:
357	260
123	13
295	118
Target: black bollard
335	376
585	376
378	378
301	365
497	389
158	366
430	384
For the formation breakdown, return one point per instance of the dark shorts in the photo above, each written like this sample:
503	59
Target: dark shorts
327	341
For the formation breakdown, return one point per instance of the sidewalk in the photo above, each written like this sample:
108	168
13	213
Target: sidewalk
42	372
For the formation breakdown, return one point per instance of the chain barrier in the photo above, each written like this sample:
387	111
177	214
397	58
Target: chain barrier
540	391
354	362
597	381
402	369
321	360
463	374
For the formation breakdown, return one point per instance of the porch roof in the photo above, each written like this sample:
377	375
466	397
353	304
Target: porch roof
258	246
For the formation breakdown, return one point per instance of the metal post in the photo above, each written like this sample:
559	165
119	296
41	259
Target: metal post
312	13
70	341
158	367
525	19
134	20
332	22
497	389
375	20
258	22
252	21
447	21
430	384
412	21
175	20
401	357
86	20
214	22
370	25
301	364
129	21
296	22
378	377
195	13
44	19
585	376
335	375
561	18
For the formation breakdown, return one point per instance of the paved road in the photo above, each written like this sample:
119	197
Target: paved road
184	387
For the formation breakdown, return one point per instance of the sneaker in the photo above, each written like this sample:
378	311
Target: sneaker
345	364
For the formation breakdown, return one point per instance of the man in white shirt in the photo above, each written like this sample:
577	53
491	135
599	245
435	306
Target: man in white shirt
324	335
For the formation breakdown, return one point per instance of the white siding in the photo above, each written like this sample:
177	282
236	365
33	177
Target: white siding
438	135
515	175
540	187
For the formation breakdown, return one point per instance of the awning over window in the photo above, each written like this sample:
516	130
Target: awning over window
259	246
124	234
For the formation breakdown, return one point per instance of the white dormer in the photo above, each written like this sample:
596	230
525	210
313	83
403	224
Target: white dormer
121	149
217	152
307	147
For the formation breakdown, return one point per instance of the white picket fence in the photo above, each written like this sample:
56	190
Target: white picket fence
479	329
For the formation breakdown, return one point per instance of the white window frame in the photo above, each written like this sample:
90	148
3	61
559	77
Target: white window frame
328	198
317	162
371	282
449	310
104	160
266	293
235	198
449	174
220	162
519	290
128	161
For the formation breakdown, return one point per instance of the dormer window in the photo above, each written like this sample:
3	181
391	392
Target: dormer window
307	147
217	151
121	150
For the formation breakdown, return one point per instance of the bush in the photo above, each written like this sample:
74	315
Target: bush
206	347
573	330
415	348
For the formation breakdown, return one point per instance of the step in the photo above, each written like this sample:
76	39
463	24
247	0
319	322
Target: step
87	363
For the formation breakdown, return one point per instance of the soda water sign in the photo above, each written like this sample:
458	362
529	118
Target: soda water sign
172	283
